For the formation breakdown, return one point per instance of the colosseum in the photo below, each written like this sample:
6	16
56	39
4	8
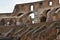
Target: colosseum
19	25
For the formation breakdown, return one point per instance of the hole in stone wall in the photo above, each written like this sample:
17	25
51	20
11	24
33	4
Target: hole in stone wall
50	3
43	19
41	3
19	14
48	10
57	9
58	31
32	17
59	1
31	8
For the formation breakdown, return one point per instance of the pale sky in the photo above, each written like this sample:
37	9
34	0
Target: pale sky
7	6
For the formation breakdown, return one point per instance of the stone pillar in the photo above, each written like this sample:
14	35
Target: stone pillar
48	17
29	20
38	15
17	21
36	20
54	18
58	16
7	21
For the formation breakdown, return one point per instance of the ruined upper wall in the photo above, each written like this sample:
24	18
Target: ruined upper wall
25	8
46	3
21	8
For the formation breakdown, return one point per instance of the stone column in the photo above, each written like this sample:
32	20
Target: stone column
36	19
17	21
49	15
7	21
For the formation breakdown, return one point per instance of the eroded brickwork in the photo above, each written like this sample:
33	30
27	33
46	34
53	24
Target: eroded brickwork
19	26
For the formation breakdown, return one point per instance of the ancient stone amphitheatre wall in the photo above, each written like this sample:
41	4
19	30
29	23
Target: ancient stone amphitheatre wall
41	9
43	12
19	24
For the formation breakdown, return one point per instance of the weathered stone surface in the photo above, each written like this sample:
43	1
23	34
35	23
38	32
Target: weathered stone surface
18	24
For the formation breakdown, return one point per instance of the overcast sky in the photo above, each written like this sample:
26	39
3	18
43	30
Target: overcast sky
8	5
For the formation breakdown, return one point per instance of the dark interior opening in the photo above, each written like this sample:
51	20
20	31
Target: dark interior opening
41	3
11	22
2	22
48	11
43	19
58	30
19	14
57	9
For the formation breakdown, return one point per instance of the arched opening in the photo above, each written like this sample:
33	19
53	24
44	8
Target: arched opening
59	1
40	4
31	8
48	11
19	14
32	17
57	8
2	22
43	19
50	3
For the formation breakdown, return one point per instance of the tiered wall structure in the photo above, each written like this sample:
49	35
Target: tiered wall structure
18	25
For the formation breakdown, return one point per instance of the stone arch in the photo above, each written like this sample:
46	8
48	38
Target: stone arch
44	16
49	15
48	10
57	10
19	14
45	12
55	14
52	15
32	16
27	18
59	1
